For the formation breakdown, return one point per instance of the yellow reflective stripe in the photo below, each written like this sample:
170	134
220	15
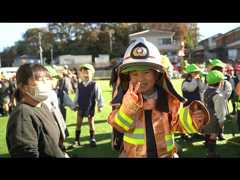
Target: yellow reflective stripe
125	117
169	139
138	131
137	137
120	123
123	120
133	141
186	121
237	103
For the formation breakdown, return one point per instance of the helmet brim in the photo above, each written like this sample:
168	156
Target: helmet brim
134	66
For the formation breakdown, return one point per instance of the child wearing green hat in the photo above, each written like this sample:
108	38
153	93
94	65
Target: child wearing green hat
192	89
226	89
192	86
214	100
87	94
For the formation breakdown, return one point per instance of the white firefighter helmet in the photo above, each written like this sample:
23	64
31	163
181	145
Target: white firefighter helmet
140	55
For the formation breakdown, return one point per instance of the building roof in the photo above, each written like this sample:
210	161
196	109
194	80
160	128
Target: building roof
233	30
229	32
152	31
213	37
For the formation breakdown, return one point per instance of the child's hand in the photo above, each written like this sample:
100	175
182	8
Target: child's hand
76	108
133	100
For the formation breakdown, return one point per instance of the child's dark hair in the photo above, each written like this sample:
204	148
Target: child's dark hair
26	72
215	85
217	68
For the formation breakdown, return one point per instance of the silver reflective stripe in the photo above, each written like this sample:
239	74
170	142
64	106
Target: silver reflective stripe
123	120
135	136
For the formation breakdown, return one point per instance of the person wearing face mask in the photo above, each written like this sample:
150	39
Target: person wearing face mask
86	96
32	130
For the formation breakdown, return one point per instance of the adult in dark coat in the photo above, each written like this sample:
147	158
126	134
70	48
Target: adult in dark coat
32	130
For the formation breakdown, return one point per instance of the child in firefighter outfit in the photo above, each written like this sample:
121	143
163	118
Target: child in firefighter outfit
87	93
214	101
147	109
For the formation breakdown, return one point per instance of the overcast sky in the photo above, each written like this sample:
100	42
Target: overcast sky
12	32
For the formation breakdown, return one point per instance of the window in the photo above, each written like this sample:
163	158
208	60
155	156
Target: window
165	41
232	54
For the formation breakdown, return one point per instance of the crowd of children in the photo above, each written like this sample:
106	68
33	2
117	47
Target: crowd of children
146	109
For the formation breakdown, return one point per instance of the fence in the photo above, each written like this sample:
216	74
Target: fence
103	74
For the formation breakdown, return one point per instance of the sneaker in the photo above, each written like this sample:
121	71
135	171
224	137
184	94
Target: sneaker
93	142
76	143
220	137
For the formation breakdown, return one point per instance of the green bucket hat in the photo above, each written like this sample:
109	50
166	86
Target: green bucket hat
87	66
214	77
136	68
216	63
192	68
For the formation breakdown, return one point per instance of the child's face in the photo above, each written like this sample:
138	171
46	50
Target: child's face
86	74
195	75
146	78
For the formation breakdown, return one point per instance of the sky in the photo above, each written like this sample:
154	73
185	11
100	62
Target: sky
12	32
210	29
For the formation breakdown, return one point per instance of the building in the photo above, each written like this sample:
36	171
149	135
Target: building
229	43
102	61
164	40
207	48
25	59
223	46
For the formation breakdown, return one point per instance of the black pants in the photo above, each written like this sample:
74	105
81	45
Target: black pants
117	141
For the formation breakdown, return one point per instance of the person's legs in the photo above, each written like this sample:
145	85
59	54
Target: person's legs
238	120
78	128
92	131
211	145
233	100
220	135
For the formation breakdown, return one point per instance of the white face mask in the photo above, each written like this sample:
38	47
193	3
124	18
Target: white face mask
40	92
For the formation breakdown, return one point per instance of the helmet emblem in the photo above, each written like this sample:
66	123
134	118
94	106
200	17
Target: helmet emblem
139	51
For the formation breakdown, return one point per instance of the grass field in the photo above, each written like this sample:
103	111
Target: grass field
193	148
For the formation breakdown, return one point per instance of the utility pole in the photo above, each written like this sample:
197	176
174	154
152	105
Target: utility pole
110	40
51	55
40	47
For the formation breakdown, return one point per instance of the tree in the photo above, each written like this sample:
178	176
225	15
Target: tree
31	37
191	39
8	56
